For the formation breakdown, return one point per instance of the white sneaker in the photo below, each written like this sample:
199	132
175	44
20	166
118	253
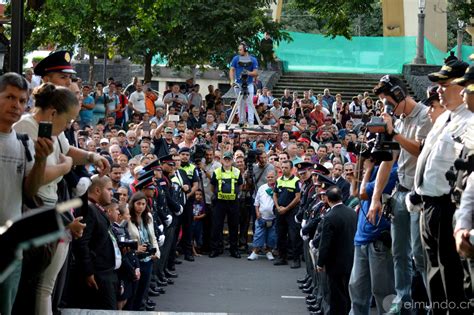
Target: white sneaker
253	256
270	256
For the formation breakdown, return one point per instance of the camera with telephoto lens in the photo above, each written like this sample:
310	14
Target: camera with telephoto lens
383	145
251	157
133	245
198	152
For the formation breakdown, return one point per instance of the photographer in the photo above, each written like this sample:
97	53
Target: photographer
244	66
442	146
408	131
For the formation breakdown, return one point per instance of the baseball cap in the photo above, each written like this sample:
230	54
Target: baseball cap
452	69
104	140
228	155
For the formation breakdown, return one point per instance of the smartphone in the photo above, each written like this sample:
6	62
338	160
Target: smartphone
146	126
219	139
174	117
45	129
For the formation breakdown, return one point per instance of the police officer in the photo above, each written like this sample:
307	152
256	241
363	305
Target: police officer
56	68
187	217
226	183
442	146
307	191
286	197
465	214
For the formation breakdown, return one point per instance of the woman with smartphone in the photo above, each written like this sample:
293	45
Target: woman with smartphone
55	108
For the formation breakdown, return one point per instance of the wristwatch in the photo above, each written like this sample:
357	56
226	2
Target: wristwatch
395	132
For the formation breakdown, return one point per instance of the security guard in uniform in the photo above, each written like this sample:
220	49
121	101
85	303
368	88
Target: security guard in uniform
286	197
56	68
187	217
226	183
441	148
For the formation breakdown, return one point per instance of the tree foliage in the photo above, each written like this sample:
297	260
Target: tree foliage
186	33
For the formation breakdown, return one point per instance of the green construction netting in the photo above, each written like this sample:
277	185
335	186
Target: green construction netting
317	53
466	51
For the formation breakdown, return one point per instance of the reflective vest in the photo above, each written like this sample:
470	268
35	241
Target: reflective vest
289	183
189	170
233	175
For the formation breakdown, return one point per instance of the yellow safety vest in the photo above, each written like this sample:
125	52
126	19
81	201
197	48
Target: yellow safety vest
233	175
289	183
189	170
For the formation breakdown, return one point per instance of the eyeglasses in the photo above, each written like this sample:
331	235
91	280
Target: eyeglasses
348	170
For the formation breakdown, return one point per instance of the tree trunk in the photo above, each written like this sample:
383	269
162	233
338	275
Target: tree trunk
91	68
148	74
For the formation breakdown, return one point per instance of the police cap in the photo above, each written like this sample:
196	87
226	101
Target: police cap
58	61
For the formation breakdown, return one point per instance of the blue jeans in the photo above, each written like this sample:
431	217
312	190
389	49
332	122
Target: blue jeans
406	244
197	232
8	290
372	275
264	235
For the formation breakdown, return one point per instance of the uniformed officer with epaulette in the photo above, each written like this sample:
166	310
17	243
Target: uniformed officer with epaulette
314	300
171	208
226	183
465	214
308	202
187	216
307	191
441	148
286	197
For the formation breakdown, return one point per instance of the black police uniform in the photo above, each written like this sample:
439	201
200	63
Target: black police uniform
225	204
286	190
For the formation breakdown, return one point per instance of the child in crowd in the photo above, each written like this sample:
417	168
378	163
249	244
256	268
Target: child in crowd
198	215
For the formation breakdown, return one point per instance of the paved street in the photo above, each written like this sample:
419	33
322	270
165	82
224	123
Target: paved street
228	285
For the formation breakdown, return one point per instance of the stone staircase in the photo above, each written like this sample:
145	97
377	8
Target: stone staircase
347	84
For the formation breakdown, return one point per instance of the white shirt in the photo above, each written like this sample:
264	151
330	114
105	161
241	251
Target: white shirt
14	169
49	192
265	202
440	151
138	101
277	112
209	168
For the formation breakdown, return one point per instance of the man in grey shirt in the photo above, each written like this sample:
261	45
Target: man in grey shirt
260	170
408	131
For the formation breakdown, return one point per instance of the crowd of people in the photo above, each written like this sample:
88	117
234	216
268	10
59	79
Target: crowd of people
370	220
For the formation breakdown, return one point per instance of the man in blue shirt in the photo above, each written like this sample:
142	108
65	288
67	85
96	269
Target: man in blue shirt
372	271
235	76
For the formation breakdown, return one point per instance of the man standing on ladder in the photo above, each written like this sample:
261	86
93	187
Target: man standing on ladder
243	69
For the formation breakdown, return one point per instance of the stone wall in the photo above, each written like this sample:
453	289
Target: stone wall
416	75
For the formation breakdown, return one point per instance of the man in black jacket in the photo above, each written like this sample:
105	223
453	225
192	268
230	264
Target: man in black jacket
336	252
97	253
343	184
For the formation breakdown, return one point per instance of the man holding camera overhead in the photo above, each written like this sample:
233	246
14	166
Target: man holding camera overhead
441	148
244	61
408	131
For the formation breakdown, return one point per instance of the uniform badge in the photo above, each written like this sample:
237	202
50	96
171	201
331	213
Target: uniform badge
67	57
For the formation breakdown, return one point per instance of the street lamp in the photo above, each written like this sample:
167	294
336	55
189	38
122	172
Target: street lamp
460	34
420	39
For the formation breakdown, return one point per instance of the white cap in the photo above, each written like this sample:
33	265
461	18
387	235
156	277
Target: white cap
104	140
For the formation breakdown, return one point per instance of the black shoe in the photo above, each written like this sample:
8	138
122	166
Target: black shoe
305	285
280	262
318	312
213	254
160	290
295	264
189	257
235	254
161	282
170	274
177	262
311	302
308	290
303	280
149	308
171	268
310	297
170	281
313	308
152	292
150	302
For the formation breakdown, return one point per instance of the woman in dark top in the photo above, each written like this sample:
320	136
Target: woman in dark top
344	114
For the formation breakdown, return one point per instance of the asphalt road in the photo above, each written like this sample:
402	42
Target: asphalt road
228	285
